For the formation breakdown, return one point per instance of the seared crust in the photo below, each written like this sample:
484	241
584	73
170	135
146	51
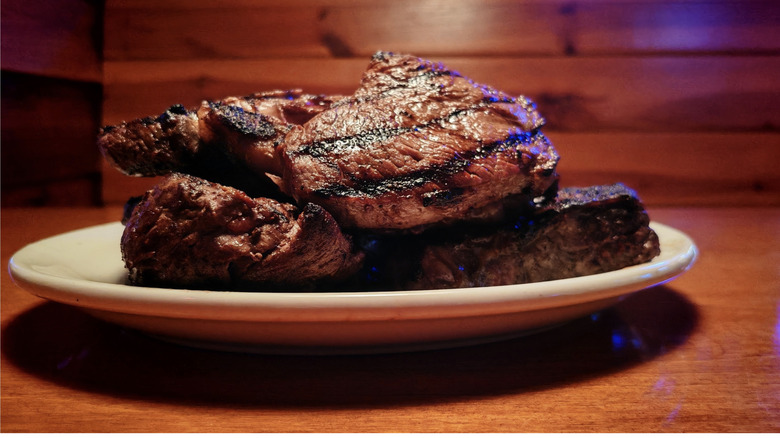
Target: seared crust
247	129
250	128
187	232
586	231
151	146
443	183
416	145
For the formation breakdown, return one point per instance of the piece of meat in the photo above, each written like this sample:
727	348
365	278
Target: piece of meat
418	144
443	183
251	127
244	129
585	231
190	233
154	145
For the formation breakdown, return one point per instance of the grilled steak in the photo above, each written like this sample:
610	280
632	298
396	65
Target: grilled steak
251	127
152	145
418	144
245	129
585	231
188	232
440	182
415	145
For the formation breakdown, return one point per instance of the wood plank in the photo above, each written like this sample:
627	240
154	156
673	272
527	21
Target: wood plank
197	29
720	93
79	191
642	93
694	169
676	169
134	89
59	39
49	128
675	27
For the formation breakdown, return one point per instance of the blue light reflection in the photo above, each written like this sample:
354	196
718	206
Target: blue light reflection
776	337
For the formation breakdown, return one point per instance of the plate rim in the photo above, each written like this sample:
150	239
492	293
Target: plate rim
346	306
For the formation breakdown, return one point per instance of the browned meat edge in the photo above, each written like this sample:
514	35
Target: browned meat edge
190	233
586	231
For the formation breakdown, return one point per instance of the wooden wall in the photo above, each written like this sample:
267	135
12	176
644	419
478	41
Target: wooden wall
678	99
51	102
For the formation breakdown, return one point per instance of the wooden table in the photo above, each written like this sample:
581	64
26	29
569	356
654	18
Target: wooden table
701	353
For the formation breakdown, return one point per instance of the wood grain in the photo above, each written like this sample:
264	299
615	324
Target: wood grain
51	102
696	355
55	39
49	155
591	94
249	30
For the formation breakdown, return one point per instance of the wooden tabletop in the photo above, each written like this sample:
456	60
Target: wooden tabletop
699	354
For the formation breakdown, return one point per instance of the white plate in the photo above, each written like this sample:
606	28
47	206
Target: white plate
84	268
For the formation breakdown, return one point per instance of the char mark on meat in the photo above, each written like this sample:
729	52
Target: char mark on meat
242	130
438	172
413	134
241	121
250	128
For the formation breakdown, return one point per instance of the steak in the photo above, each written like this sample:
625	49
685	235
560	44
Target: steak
154	145
192	233
421	179
250	128
242	130
418	144
585	231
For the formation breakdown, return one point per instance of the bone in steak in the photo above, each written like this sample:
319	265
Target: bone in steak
585	231
188	232
419	144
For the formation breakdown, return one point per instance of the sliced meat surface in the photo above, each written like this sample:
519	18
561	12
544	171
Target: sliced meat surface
190	233
586	231
419	144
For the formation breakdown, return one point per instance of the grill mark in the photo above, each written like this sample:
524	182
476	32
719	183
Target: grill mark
418	178
341	145
242	121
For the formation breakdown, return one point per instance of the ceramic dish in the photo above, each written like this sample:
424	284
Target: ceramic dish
84	268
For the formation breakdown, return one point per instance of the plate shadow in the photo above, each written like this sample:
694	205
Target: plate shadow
64	345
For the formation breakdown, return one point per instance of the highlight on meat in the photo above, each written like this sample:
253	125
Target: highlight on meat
422	178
